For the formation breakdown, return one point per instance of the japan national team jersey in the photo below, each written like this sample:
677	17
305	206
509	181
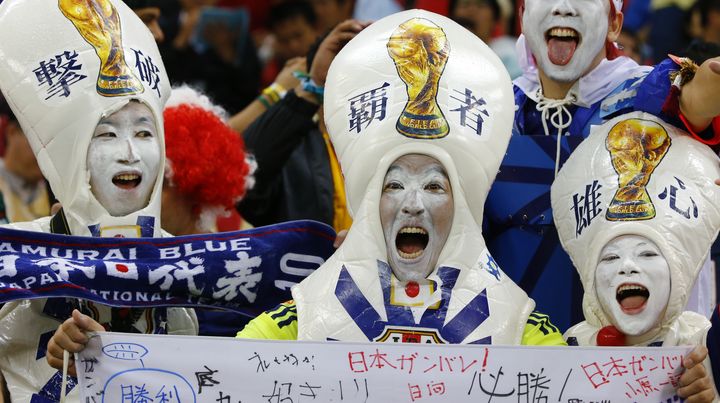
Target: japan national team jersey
281	324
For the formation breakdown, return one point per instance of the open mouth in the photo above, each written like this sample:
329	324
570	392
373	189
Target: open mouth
411	242
632	298
127	181
561	43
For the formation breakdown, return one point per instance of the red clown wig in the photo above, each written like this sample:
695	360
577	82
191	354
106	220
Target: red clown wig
206	158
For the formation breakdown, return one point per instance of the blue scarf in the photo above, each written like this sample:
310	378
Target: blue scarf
244	271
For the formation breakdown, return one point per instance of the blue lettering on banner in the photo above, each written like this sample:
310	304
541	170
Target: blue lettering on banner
368	106
471	110
586	206
148	71
240	271
673	196
59	73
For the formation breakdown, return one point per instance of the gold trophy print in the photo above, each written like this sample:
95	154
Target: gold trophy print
636	147
99	24
420	51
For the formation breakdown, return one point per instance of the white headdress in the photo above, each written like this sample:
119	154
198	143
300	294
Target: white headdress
63	66
637	175
416	83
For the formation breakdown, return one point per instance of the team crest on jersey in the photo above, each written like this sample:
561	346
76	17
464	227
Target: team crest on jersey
144	227
400	324
400	334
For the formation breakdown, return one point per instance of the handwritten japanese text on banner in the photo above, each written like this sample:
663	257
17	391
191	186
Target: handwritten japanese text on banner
122	367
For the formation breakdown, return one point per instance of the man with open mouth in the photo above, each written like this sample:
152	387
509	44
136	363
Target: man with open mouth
102	151
416	211
632	281
413	267
638	263
575	77
123	159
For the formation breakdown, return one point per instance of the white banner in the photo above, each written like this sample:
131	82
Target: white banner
121	367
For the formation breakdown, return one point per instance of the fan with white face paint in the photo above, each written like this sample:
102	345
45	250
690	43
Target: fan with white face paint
632	281
124	159
416	211
567	37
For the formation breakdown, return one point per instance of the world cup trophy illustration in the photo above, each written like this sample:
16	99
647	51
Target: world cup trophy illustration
99	24
420	51
636	147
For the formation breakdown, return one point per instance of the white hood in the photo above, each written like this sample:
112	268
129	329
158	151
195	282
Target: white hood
685	200
460	64
39	43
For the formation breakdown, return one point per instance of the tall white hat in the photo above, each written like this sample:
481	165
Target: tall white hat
64	64
637	175
371	84
416	83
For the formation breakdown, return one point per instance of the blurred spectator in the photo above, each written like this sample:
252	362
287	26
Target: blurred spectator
211	49
483	16
700	51
332	12
665	21
292	25
149	12
25	194
298	174
636	14
270	95
667	27
705	21
485	19
630	44
207	172
441	7
258	10
373	10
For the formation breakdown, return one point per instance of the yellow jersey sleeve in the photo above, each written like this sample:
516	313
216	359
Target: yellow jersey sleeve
277	324
540	332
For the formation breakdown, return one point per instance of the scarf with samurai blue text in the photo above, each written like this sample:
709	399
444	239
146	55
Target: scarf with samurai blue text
244	271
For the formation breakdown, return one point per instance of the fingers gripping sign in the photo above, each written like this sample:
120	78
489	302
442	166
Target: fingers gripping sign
71	336
695	384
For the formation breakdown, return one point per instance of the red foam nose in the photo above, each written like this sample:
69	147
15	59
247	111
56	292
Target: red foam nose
610	336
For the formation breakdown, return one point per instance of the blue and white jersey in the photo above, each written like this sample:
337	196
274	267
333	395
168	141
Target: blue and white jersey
519	226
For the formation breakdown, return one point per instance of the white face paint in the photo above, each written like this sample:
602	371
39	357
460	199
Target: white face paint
566	36
632	282
124	159
416	212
